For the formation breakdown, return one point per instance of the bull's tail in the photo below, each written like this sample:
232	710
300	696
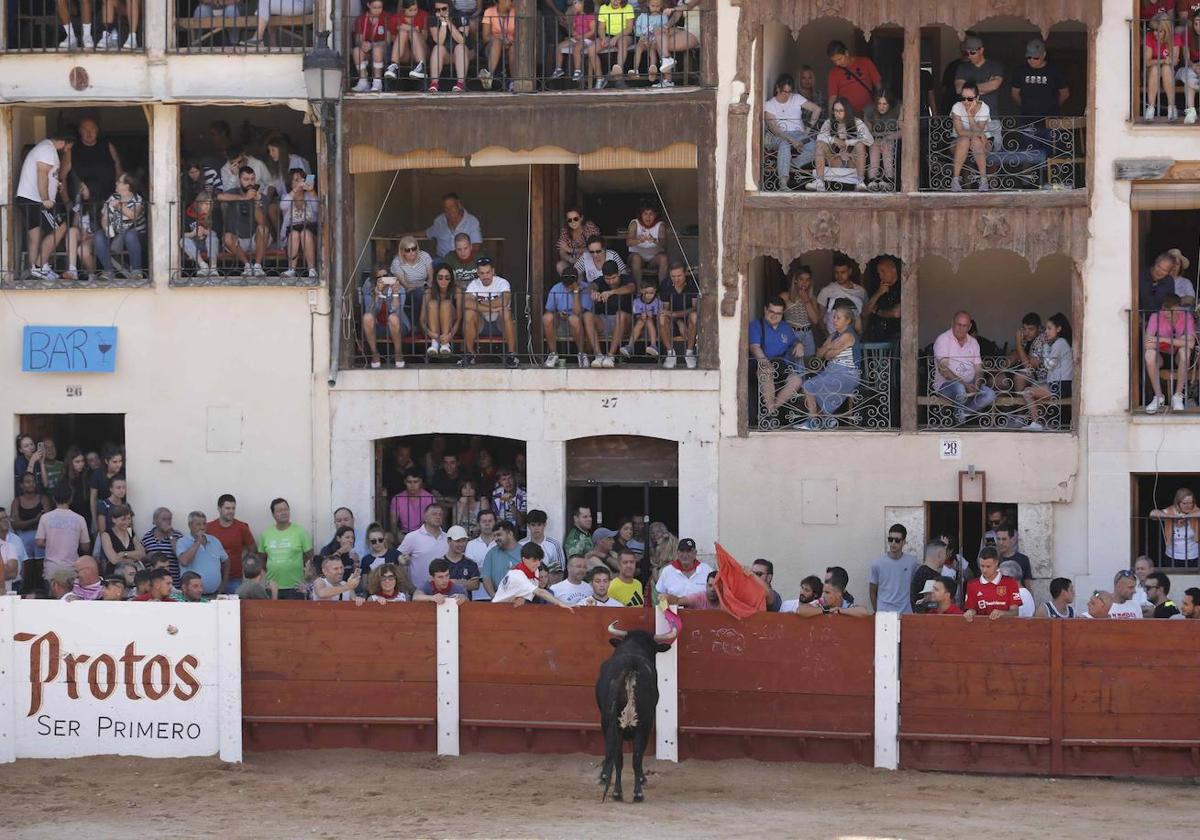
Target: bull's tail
629	718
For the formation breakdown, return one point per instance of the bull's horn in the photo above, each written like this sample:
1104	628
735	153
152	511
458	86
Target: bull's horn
615	631
665	638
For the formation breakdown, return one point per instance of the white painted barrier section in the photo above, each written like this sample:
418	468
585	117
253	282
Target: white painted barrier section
447	678
887	690
152	679
666	715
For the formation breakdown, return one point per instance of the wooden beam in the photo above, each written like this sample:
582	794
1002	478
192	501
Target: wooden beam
528	27
709	76
910	129
707	328
538	247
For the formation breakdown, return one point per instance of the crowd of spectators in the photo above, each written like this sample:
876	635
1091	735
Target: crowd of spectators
848	133
455	298
1167	309
440	40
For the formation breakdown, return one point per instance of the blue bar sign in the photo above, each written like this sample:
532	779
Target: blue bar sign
69	350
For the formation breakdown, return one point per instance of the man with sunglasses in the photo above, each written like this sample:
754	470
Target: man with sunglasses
764	570
891	574
987	73
1123	605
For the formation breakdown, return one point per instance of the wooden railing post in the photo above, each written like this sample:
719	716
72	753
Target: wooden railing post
911	110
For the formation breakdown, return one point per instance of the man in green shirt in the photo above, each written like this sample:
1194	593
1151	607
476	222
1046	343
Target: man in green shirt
462	261
54	467
287	549
578	540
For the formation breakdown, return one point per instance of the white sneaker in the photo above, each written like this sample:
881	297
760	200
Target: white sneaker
201	268
362	87
815	185
258	270
131	42
626	351
485	78
392	71
598	361
1189	116
70	42
667	64
860	187
955	185
399	363
374	365
1154	405
601	83
417	72
577	75
312	273
669	362
111	40
87	42
1035	426
377	86
247	270
1177	402
446	350
49	273
291	272
651	350
559	73
689	357
608	361
663	83
1149	113
433	348
551	360
582	359
1172	113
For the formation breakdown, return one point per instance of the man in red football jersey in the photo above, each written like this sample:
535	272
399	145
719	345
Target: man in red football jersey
992	594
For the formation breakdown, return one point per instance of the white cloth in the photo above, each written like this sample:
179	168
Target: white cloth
789	605
963	121
790	114
674	582
489	296
1129	609
1028	605
423	549
27	186
591	601
515	585
571	593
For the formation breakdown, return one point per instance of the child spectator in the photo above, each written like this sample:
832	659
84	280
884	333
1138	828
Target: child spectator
646	310
615	20
883	119
1160	50
650	28
581	37
409	47
452	33
371	30
645	240
842	141
200	242
1059	362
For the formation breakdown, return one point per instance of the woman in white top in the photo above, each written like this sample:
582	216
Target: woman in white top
842	142
1059	362
970	118
414	269
1180	526
645	240
280	163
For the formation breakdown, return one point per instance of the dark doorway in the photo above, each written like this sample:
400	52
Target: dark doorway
610	503
89	432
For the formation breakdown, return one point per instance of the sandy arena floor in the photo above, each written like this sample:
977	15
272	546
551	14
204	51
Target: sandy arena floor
362	794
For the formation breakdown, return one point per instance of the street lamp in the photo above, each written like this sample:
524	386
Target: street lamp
323	71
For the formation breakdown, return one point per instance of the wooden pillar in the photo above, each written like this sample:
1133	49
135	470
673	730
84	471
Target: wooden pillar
910	346
528	29
709	76
910	132
538	198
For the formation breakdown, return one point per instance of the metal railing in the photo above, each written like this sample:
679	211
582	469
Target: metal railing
525	334
229	247
1021	153
1004	398
1165	73
246	26
95	246
471	55
1164	360
807	400
788	164
1171	542
37	26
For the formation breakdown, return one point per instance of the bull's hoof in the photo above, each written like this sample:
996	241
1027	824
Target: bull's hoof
637	797
604	780
617	795
641	780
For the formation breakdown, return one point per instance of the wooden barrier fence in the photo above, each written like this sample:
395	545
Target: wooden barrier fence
1035	696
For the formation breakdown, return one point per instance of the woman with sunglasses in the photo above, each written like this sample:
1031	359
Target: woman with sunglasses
387	584
572	239
414	269
970	118
440	313
1180	524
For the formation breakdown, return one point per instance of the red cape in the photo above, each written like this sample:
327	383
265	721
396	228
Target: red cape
740	593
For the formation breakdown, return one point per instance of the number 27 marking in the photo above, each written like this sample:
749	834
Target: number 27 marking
608	402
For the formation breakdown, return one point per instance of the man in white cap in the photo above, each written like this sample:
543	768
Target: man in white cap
942	598
463	570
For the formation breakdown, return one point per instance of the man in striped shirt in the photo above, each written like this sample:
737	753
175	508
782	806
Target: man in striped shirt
162	538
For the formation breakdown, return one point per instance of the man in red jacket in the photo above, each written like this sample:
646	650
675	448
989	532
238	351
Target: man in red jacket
854	77
992	594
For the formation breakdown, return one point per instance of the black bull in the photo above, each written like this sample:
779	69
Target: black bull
627	694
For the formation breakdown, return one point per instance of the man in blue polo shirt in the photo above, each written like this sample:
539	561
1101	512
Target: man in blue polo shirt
204	555
771	340
570	302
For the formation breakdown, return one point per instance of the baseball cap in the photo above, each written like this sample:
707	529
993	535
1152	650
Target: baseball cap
483	261
972	43
603	534
928	587
456	532
687	544
1036	48
552	566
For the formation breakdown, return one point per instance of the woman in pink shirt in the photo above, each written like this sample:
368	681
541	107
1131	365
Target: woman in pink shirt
1170	335
1161	48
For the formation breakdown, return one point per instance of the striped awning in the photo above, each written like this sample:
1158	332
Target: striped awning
1160	196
